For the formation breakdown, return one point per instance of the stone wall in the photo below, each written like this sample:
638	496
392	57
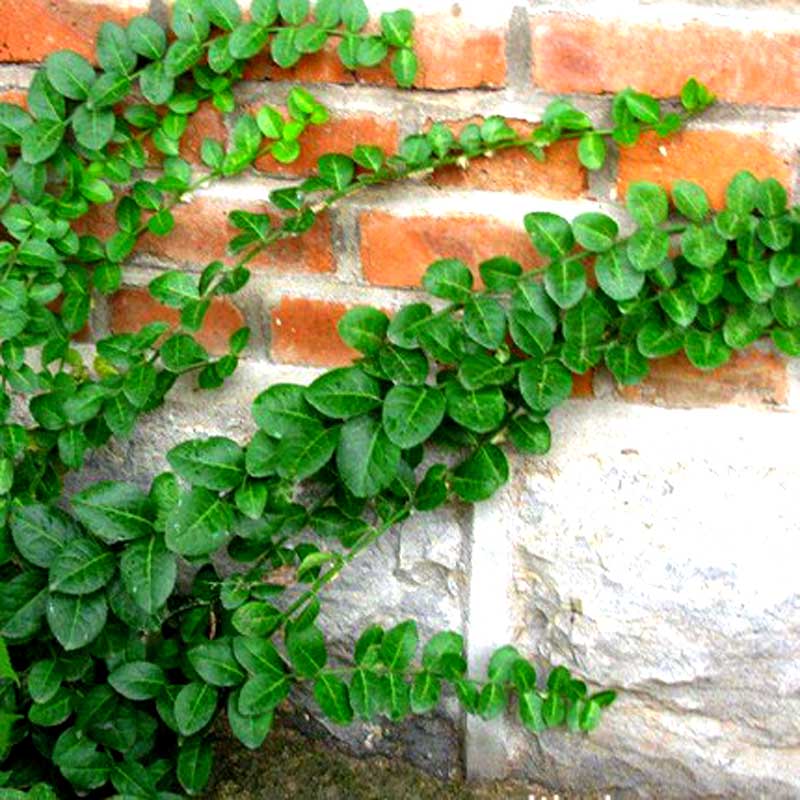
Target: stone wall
654	548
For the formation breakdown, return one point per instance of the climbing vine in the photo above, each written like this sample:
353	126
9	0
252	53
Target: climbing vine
110	676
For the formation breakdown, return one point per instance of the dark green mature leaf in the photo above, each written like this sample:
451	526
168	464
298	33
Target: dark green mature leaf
595	232
304	452
448	278
551	235
44	680
216	664
485	321
41	140
331	692
256	618
194	707
306	650
771	198
706	350
366	457
182	352
679	305
148	572
616	275
343	393
215	463
195	761
83	566
544	385
482	410
76	620
199	524
742	192
41	532
251	731
282	409
755	280
364	328
147	37
626	363
404	366
406	323
70	73
411	414
114	511
500	274
565	282
138	680
648	248
702	246
530	435
481	370
658	340
23	605
691	200
481	475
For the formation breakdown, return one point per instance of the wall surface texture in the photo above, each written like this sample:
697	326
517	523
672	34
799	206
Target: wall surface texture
654	548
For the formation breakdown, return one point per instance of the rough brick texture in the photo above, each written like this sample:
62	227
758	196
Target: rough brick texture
710	158
132	308
31	29
396	251
749	378
741	66
304	332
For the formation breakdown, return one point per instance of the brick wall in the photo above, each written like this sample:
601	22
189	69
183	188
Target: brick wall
476	59
509	57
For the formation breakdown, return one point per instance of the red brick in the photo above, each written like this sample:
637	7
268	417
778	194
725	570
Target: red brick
31	29
561	175
710	158
749	378
453	54
131	309
202	232
579	54
583	385
396	251
304	332
339	135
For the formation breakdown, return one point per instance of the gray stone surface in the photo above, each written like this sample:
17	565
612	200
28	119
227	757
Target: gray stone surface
655	551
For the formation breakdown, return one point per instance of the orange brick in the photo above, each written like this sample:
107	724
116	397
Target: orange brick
202	232
16	97
131	309
396	251
583	385
453	54
710	158
561	175
304	332
749	378
339	135
31	30
578	54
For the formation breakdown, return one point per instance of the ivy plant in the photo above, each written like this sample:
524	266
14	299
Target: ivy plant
111	675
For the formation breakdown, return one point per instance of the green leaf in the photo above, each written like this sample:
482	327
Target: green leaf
742	193
251	731
643	107
529	435
138	680
658	340
485	321
771	198
224	14
256	619
147	37
282	410
679	305
647	203
93	127
407	322
691	200
500	274
148	573
44	680
411	414
113	49
788	342
181	353
530	711
248	40
592	150
775	233
215	663
404	66
366	457
481	411
265	12
544	385
481	475
354	14
199	524
331	693
174	288
551	235
364	328
284	50
367	694
41	140
399	646
784	269
40	533
215	463
702	246
492	701
565	282
785	306
76	620
706	350
626	363
70	73
448	278
195	761
83	566
648	248
23	605
306	650
404	366
305	452
616	275
194	707
344	392
114	511
482	370
595	232
425	692
755	281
